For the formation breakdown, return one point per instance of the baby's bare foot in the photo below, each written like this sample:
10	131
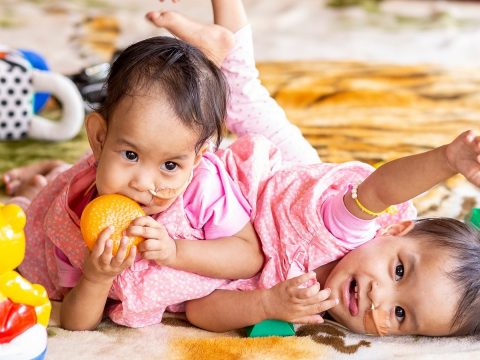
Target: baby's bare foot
32	187
214	40
18	179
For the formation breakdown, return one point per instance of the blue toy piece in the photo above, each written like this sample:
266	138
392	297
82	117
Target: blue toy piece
38	62
473	218
271	328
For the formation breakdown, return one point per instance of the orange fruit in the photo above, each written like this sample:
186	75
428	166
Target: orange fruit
110	210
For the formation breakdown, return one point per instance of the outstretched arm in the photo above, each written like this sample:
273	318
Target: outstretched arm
224	310
403	179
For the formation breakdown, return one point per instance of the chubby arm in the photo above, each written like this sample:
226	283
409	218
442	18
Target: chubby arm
403	179
233	257
83	306
224	310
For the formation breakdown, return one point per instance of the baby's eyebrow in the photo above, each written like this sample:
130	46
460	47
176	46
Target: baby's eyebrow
412	262
178	157
127	143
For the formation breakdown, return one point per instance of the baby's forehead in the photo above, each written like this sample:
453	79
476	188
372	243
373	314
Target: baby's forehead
432	291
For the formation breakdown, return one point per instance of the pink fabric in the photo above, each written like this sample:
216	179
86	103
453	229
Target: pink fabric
251	110
213	202
347	228
68	276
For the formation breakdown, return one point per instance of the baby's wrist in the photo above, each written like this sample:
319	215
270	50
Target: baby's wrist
172	259
446	157
98	280
266	307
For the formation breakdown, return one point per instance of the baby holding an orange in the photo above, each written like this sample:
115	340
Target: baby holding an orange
165	106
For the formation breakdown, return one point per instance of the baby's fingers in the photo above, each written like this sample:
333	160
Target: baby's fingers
307	292
131	257
321	306
313	297
121	253
301	280
146	227
146	232
102	241
146	221
309	319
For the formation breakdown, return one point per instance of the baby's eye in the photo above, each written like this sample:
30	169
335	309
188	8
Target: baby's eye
129	155
169	166
399	313
399	271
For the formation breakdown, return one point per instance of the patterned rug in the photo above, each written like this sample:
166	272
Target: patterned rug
372	112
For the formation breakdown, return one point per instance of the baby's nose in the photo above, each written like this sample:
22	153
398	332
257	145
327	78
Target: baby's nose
381	294
375	294
143	183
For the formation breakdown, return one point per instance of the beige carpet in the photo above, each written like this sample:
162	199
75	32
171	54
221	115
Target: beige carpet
176	339
348	110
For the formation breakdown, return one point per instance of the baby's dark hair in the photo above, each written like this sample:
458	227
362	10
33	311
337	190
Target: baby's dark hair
462	241
194	86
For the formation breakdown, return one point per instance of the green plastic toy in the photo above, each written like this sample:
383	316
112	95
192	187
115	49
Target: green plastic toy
271	328
473	218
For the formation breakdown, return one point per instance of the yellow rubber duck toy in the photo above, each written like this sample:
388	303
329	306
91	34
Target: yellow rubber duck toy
24	307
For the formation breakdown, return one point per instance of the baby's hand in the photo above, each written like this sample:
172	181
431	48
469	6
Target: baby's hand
289	302
100	265
158	245
463	155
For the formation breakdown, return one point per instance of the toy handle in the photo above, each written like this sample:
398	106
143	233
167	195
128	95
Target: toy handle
72	107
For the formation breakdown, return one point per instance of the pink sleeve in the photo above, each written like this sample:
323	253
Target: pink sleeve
347	228
213	202
68	275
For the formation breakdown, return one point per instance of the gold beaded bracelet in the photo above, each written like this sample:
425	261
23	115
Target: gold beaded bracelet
390	210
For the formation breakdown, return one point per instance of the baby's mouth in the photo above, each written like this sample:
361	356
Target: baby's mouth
353	298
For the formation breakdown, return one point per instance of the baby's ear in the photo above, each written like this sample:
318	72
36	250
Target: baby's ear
96	127
200	153
399	229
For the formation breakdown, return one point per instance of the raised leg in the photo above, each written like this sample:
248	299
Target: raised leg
28	180
215	41
251	109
